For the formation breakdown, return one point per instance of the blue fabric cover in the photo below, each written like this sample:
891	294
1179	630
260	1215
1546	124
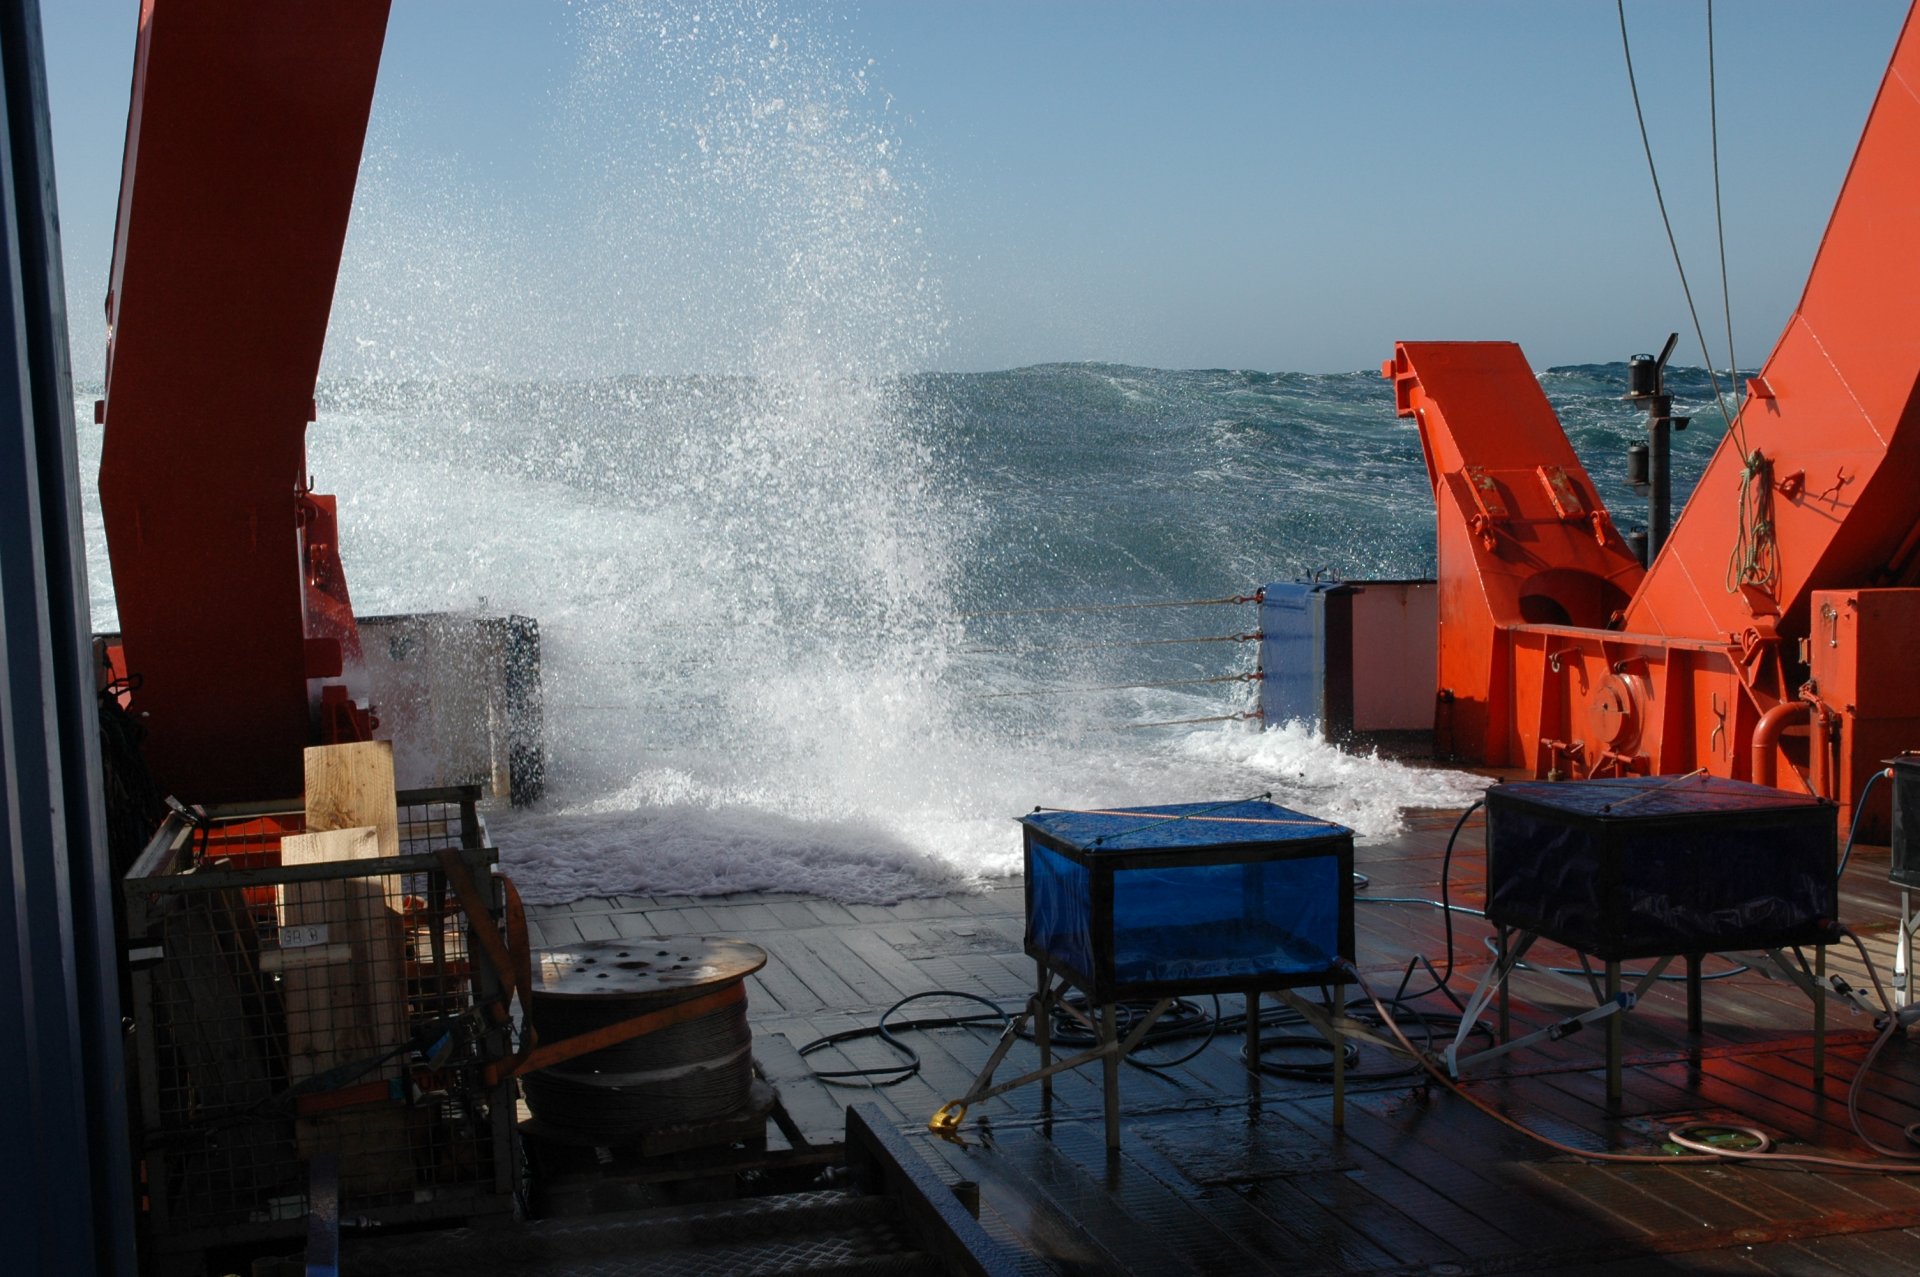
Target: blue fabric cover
1269	917
1059	908
1265	896
1205	825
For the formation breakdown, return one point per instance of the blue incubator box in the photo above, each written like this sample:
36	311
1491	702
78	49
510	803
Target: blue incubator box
1188	898
1650	866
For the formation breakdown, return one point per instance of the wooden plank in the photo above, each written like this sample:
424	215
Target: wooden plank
793	997
1046	1173
1012	1210
738	917
596	926
356	1011
556	929
688	920
872	989
761	1003
806	967
344	1015
829	913
351	786
820	1119
352	1010
795	915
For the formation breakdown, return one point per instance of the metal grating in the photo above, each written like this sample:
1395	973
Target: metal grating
286	1009
793	1233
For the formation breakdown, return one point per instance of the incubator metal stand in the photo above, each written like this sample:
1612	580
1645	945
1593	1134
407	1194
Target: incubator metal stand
1612	1000
1147	904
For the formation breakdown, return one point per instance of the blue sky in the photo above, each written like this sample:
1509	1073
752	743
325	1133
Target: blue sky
1282	186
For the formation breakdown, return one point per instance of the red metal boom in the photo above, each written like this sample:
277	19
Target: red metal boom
243	145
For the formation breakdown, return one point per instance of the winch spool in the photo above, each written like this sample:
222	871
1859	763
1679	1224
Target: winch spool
697	1070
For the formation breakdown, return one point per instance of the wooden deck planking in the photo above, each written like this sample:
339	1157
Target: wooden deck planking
1414	1182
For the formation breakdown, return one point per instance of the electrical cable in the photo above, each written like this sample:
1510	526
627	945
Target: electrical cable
1442	980
1469	910
885	1032
1859	809
1699	1152
1893	1026
1181	1019
1432	1024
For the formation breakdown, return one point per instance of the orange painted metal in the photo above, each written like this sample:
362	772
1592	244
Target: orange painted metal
1714	661
243	144
1524	537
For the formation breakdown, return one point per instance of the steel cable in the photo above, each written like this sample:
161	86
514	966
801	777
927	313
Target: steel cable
1256	597
1118	687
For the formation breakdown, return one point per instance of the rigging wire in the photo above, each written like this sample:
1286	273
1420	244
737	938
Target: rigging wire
1719	224
1107	647
1257	596
1240	717
1754	558
1673	244
1116	687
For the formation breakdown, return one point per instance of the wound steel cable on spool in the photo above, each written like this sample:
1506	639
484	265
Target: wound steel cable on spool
695	1071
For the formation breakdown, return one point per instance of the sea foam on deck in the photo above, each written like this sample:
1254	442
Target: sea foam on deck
811	619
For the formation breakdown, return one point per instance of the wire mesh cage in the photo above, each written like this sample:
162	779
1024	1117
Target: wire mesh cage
290	1005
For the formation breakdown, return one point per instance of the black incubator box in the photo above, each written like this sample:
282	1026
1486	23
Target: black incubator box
1650	866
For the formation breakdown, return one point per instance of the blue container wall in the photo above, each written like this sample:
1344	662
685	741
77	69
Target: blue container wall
1059	909
1217	922
1293	652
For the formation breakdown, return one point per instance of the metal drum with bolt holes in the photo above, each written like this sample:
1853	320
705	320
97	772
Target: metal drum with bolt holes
699	1069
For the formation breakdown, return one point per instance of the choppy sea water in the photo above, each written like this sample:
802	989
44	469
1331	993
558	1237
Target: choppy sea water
833	635
826	622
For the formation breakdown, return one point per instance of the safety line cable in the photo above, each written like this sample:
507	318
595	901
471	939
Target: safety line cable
1241	717
1256	597
1118	687
1254	637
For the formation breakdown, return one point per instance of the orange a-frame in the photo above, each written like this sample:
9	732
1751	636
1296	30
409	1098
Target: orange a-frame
1559	655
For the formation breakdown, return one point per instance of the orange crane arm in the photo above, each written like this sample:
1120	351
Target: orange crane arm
244	137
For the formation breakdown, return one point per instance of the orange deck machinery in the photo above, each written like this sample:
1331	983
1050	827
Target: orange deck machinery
243	145
1776	636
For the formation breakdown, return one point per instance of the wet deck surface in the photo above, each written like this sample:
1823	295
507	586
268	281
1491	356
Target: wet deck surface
1220	1172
